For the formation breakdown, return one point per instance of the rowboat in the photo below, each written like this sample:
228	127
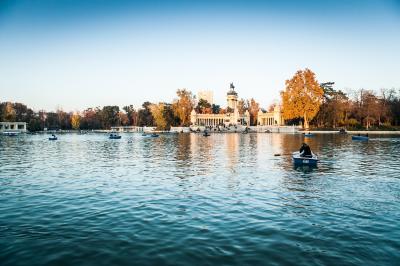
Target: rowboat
206	134
362	138
309	135
114	136
154	135
53	137
299	160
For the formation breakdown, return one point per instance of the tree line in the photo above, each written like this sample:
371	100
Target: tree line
162	115
304	101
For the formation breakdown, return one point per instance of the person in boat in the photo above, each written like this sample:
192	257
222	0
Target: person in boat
305	150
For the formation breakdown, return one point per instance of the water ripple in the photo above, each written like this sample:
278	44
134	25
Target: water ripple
188	200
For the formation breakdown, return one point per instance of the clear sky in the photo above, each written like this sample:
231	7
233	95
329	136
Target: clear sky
78	54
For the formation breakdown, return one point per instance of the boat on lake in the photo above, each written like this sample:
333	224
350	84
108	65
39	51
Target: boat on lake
10	133
362	138
114	136
206	134
309	135
53	137
299	160
154	135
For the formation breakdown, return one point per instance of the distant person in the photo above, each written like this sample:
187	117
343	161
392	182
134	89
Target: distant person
305	150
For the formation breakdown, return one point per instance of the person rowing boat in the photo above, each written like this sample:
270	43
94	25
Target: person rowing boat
305	150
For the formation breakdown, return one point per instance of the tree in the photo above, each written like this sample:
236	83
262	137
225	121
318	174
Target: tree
91	119
131	114
64	119
123	119
302	97
253	110
183	106
169	116
385	113
109	115
242	106
75	121
157	113
145	117
9	112
21	112
334	108
52	121
369	108
34	124
215	108
203	107
394	106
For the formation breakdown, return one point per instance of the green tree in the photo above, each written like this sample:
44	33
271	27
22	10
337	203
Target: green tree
145	117
215	108
34	124
334	109
131	114
110	116
52	122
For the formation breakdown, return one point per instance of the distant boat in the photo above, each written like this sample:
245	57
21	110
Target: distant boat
114	136
309	135
154	135
53	137
144	134
206	134
10	134
299	160
362	138
342	131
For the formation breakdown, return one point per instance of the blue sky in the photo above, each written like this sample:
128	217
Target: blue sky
78	54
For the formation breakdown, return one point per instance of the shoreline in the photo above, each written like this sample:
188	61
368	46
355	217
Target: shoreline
335	132
376	132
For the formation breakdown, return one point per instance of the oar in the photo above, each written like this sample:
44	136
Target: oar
279	154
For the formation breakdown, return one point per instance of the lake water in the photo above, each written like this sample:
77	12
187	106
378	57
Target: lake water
190	200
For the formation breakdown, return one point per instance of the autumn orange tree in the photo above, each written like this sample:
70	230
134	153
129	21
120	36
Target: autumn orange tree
75	121
183	106
157	112
302	97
